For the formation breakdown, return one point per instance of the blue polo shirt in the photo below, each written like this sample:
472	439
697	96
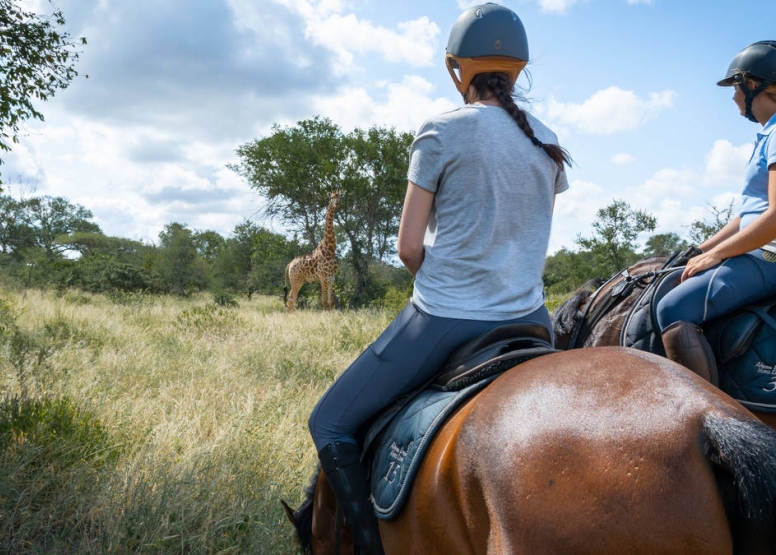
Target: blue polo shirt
754	199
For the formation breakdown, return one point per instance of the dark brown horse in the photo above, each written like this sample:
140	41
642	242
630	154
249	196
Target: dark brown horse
587	302
596	451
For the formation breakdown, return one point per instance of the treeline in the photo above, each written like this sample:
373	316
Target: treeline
50	242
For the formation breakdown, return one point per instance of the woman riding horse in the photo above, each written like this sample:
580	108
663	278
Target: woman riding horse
474	232
738	264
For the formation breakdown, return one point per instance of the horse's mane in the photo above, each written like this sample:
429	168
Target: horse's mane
303	515
566	315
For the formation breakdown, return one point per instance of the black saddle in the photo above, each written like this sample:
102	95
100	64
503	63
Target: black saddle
495	351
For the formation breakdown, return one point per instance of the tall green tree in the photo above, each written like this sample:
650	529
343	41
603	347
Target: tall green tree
252	259
271	253
16	231
374	182
296	168
663	244
53	218
178	264
37	57
566	270
232	264
208	244
615	232
30	233
110	263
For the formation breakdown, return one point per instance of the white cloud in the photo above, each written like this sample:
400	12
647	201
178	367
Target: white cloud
91	164
678	197
405	107
413	42
725	164
547	6
575	210
610	111
670	183
622	158
556	6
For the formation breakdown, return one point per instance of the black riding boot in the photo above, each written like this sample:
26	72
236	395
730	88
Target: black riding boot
684	343
340	463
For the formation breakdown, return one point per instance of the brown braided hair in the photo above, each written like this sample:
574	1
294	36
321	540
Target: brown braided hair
497	85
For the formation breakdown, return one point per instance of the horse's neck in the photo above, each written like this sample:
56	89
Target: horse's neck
329	530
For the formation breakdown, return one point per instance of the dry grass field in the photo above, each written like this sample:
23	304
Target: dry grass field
160	425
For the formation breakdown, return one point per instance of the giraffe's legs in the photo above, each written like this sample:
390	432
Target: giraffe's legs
329	295
325	293
296	285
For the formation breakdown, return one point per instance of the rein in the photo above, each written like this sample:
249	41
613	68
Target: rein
590	317
338	518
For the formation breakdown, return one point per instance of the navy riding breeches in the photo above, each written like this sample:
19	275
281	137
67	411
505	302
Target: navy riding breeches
732	284
405	356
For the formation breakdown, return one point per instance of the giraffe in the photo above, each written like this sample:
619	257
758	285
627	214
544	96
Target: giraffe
320	265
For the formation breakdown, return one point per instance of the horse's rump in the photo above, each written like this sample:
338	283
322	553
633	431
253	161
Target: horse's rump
568	454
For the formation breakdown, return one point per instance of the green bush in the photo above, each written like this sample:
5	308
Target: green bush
52	457
224	299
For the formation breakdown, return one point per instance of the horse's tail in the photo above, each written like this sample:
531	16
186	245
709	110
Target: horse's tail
743	454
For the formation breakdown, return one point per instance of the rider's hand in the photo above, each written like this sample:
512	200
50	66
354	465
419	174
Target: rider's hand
699	263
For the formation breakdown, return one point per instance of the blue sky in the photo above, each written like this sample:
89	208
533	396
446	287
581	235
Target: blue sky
175	86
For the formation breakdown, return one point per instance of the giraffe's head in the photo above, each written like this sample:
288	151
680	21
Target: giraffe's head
334	200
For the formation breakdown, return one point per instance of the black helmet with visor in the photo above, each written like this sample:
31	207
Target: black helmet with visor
757	61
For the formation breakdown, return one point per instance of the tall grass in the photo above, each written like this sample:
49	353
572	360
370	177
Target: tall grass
137	425
134	424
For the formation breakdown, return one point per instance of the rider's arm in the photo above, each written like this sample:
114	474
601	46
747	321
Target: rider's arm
730	229
412	229
760	232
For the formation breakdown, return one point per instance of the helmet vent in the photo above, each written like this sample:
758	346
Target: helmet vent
478	13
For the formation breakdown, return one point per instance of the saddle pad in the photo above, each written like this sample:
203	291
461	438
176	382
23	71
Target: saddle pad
404	441
744	344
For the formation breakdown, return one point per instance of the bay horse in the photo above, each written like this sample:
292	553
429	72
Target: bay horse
587	306
598	451
602	324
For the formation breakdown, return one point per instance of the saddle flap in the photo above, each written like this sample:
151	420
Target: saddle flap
640	329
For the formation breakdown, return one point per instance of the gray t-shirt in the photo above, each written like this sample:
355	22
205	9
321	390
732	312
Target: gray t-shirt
489	229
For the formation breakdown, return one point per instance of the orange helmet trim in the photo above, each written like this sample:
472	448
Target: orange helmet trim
485	64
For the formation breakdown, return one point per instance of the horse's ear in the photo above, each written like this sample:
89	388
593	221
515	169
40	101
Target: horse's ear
289	512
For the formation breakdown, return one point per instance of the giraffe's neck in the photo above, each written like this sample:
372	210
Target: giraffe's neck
328	243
